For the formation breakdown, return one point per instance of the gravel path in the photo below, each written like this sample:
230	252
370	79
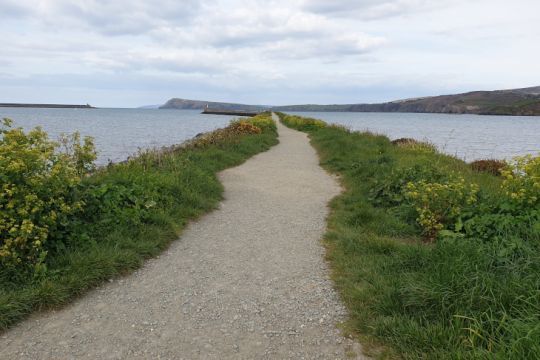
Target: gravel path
247	281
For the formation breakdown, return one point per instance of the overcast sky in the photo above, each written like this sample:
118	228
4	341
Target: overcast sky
127	53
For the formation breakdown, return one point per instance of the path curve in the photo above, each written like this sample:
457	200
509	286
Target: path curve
247	281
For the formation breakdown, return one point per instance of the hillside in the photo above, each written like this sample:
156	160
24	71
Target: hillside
524	101
184	104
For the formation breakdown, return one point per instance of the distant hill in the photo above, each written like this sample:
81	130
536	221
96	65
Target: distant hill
184	104
525	101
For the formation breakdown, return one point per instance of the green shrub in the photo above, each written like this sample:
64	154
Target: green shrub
451	206
264	122
521	183
109	204
302	123
38	198
454	209
490	166
441	205
390	188
404	141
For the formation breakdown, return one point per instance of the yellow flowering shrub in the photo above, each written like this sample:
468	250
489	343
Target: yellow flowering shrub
521	183
263	121
452	207
38	179
252	126
244	127
302	123
440	204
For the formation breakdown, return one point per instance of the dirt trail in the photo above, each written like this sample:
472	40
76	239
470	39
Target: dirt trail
247	281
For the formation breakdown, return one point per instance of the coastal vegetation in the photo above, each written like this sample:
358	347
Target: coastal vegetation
66	226
433	258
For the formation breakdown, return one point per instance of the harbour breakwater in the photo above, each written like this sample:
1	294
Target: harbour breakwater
230	112
50	106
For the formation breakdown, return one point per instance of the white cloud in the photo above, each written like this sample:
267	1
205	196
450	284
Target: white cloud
250	48
118	17
333	47
373	9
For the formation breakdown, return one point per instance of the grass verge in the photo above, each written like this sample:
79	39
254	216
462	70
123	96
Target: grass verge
458	296
133	210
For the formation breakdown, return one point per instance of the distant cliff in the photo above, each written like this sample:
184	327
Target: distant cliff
184	104
501	102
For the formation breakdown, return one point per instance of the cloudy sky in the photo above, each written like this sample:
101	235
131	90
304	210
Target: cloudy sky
127	53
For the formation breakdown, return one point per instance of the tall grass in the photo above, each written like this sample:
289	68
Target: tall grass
133	210
461	298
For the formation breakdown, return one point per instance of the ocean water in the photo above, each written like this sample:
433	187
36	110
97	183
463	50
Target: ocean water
119	133
469	137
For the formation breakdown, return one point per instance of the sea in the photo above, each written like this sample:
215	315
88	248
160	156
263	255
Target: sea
120	133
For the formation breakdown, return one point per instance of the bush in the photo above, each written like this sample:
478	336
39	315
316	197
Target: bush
244	127
521	183
254	126
404	141
390	189
490	166
441	205
38	195
264	122
453	208
419	146
301	123
450	206
108	204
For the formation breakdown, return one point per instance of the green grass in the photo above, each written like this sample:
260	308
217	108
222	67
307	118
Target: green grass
123	228
408	299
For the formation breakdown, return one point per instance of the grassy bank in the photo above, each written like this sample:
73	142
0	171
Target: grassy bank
110	220
433	259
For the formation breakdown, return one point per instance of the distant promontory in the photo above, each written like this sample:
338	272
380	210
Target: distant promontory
184	104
